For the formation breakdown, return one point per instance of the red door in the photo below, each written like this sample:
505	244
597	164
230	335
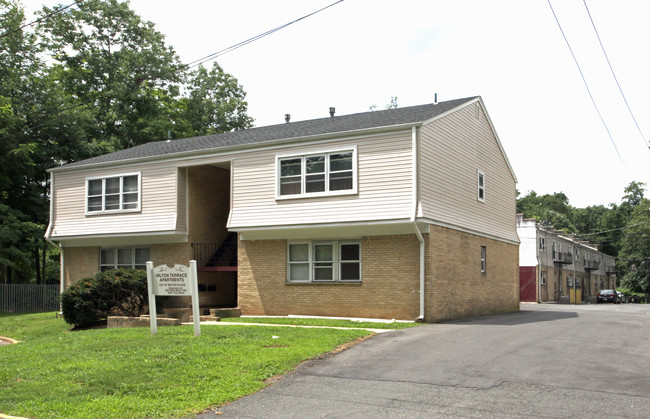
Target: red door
527	284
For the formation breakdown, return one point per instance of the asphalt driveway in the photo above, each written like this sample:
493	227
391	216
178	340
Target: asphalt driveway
545	361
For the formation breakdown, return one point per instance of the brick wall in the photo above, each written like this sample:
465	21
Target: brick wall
209	204
389	287
80	262
456	287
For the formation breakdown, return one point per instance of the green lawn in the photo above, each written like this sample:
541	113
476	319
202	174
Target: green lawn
102	373
322	322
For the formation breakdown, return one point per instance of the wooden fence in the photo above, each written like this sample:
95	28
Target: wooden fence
28	298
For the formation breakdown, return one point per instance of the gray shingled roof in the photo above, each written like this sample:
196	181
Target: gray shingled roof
292	130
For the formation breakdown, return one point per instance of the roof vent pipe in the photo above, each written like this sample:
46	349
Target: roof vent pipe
287	117
435	98
332	110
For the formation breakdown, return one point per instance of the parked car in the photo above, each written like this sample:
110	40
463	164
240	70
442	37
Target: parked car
608	296
621	297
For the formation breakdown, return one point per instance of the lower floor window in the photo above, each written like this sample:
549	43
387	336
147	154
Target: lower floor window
130	257
324	261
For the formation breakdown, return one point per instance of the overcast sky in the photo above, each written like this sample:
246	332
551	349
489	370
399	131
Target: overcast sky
359	53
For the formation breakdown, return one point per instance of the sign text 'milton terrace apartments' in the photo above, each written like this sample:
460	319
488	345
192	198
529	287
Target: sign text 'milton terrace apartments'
175	281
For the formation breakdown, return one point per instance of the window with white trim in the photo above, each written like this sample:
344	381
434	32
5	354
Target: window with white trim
328	173
481	186
542	244
113	194
129	257
542	277
324	261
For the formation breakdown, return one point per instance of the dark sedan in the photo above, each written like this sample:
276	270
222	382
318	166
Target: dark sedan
608	296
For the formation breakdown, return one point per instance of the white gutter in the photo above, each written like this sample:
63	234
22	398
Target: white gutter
48	238
414	143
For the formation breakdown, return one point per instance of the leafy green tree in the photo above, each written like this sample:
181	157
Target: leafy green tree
215	103
635	250
549	209
117	65
91	79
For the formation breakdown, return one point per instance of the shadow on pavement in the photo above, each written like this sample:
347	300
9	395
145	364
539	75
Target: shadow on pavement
517	318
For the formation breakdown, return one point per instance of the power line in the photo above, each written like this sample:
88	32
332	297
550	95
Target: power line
615	78
194	63
254	38
586	85
47	16
614	229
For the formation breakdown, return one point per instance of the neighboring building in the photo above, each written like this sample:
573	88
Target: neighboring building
555	266
404	213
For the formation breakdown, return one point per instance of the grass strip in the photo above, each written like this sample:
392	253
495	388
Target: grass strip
301	321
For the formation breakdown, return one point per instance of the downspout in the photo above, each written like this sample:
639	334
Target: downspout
48	238
414	143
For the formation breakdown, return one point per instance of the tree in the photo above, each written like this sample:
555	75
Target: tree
551	209
215	103
635	250
87	81
117	66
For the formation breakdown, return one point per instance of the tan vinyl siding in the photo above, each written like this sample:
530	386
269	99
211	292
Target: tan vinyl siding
181	222
452	151
158	203
384	186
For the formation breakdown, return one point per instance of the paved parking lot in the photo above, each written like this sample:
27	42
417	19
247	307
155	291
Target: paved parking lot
544	361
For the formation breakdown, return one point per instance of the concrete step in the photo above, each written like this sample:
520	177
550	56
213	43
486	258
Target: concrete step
225	312
206	319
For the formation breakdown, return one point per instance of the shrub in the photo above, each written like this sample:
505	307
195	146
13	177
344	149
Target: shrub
91	300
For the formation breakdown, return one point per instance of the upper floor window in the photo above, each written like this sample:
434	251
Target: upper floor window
113	194
542	244
330	173
481	186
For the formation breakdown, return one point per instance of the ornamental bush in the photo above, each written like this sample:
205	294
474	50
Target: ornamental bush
120	291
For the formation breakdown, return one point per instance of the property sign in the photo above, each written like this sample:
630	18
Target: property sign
177	281
171	281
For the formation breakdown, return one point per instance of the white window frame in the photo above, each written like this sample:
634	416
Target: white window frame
336	261
121	194
542	244
303	173
480	186
542	277
115	264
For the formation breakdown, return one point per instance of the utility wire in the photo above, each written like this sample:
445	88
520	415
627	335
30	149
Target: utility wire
615	78
254	38
614	229
586	85
191	64
47	16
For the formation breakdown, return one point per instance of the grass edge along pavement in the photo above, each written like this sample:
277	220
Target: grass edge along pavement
55	372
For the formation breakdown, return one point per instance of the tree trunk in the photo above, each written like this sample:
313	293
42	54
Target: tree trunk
44	265
37	262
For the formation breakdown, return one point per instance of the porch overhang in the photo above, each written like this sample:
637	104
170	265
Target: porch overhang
122	239
329	231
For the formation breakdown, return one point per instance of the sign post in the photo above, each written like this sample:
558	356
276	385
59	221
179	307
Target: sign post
177	281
